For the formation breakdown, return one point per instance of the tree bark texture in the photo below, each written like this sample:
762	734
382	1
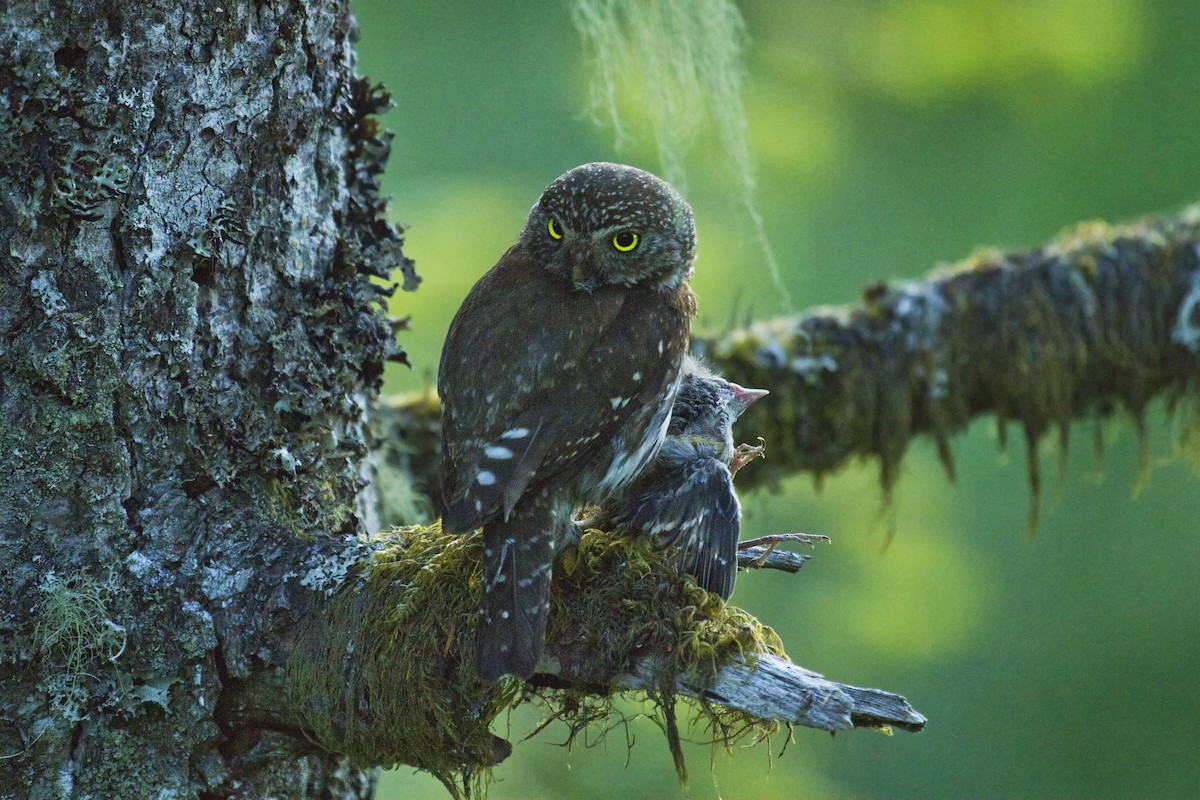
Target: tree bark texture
189	331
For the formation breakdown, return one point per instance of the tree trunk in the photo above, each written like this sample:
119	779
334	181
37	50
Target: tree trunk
189	332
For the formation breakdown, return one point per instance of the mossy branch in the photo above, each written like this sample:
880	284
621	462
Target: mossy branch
1098	319
379	674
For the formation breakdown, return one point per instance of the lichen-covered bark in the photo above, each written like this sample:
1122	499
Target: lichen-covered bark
379	672
188	332
1102	318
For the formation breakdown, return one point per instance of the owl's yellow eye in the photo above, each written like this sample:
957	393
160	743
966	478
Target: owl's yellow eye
553	226
625	241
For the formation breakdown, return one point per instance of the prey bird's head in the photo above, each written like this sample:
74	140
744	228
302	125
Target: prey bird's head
706	407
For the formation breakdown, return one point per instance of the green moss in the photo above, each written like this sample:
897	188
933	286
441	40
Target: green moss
383	678
618	602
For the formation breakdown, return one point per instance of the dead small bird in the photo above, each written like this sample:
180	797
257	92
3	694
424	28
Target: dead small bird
685	497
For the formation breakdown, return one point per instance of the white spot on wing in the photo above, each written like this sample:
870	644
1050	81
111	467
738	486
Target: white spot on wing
515	433
498	453
485	478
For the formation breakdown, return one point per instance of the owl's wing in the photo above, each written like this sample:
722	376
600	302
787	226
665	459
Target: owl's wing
696	510
536	379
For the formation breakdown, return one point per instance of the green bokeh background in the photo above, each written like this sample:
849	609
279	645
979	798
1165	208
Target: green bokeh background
889	136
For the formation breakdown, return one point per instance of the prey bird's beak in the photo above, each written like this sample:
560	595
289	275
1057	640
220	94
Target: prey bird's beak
742	397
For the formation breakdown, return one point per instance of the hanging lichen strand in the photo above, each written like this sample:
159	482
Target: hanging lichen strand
676	69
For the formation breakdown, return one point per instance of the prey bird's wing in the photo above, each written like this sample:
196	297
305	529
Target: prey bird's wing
694	508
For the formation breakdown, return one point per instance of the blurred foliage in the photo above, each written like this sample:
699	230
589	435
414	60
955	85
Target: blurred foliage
889	136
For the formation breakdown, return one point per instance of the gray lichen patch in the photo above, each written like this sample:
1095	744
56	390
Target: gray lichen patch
193	322
381	678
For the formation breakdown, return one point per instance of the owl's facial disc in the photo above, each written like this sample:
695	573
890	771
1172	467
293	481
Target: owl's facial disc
602	223
591	259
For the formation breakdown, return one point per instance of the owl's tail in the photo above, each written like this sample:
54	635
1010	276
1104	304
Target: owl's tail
518	559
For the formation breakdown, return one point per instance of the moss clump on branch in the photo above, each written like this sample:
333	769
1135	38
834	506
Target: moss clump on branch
382	679
618	608
387	678
617	601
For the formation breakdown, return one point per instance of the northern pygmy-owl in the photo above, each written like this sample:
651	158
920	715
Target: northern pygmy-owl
557	380
685	498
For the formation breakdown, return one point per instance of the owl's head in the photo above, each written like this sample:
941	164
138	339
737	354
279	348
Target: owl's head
706	406
603	223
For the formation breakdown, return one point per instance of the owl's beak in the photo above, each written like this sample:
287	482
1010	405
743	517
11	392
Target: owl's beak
742	397
577	276
581	264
